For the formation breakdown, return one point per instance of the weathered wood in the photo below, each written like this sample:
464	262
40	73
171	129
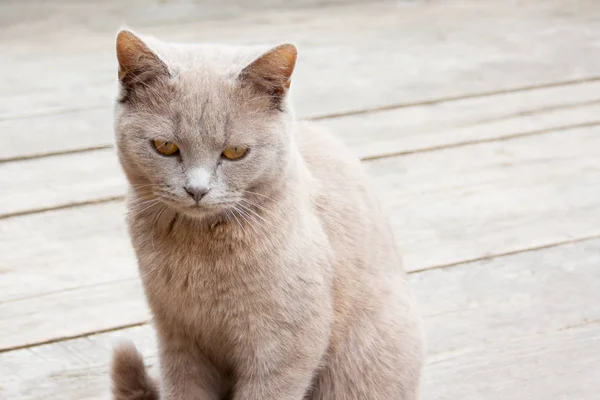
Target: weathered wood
60	181
560	365
512	327
386	51
55	182
56	251
369	135
63	314
43	17
446	207
452	123
518	327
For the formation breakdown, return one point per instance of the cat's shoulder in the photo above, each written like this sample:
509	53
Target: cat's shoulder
326	156
318	143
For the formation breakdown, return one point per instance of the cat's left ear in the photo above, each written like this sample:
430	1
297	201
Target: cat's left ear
137	63
271	73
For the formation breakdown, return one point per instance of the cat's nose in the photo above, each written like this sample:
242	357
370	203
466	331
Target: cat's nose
196	192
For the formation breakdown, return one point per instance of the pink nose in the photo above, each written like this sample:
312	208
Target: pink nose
196	192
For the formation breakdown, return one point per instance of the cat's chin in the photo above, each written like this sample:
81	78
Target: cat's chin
197	212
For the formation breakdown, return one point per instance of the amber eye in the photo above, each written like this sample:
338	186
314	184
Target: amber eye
165	148
235	152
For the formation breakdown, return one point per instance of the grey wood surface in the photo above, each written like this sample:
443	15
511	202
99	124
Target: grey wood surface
503	329
390	52
369	134
531	190
478	121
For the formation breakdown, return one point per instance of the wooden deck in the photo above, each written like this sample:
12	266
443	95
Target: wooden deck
479	122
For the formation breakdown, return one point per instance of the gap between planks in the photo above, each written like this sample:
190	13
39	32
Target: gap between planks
364	111
499	138
385	16
462	97
413	272
473	142
353	112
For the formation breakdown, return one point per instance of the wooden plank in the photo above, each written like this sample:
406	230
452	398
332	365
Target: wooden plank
60	181
446	207
452	123
56	182
88	309
56	251
517	326
562	365
55	133
371	134
394	53
43	17
492	198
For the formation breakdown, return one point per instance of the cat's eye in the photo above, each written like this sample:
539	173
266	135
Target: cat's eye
165	148
235	152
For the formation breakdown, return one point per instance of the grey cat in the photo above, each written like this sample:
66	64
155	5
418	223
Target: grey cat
268	266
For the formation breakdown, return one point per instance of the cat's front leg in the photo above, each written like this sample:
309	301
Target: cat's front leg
288	384
283	370
188	375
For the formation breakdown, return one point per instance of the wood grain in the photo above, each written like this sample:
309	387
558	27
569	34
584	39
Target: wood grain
56	182
480	127
446	207
53	182
368	134
515	327
357	55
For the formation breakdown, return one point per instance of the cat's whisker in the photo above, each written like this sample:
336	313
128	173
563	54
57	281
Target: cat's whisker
137	199
147	207
238	221
227	216
243	217
257	205
144	184
143	200
146	188
244	214
138	203
262	208
142	204
255	215
260	194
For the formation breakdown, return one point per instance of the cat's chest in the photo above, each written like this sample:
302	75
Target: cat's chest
221	307
210	282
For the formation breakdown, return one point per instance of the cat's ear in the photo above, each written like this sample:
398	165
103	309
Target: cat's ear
137	63
271	73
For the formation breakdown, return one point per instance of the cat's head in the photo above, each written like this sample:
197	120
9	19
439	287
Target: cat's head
202	128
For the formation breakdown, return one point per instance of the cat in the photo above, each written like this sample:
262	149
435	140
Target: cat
269	269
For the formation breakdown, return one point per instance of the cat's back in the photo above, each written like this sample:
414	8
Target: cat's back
346	202
368	273
329	161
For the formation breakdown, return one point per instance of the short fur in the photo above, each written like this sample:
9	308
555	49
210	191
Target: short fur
129	377
283	281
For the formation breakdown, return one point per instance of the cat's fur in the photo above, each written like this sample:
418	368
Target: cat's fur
283	282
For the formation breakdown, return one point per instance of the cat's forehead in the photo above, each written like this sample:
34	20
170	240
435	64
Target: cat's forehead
203	77
201	91
208	60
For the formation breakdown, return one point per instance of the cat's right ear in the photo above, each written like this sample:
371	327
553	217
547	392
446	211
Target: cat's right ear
271	73
137	63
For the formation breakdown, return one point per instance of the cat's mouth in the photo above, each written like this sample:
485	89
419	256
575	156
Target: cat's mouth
205	208
201	210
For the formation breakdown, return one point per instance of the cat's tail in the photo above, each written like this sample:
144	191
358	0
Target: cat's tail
130	381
